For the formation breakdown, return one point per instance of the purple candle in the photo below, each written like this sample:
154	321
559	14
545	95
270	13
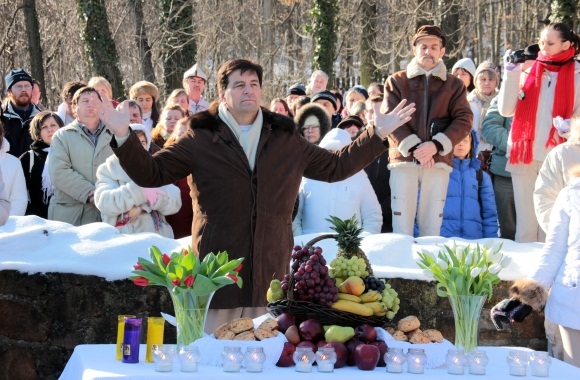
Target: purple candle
131	340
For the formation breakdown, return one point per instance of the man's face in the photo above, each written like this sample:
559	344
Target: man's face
243	95
89	107
290	99
318	83
21	93
327	105
370	112
69	107
135	115
194	86
428	51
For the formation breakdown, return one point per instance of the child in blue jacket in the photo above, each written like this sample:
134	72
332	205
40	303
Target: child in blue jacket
470	211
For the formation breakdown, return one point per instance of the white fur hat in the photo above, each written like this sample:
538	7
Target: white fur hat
140	127
335	139
195	71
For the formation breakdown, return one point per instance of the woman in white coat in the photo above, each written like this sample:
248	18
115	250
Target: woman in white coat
132	208
14	182
353	196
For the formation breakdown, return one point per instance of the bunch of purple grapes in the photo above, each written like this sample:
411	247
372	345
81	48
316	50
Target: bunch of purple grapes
311	280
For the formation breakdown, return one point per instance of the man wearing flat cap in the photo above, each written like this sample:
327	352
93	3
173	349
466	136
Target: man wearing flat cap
19	111
421	151
194	81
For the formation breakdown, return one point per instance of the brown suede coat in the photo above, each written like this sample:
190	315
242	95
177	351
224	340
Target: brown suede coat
440	96
246	213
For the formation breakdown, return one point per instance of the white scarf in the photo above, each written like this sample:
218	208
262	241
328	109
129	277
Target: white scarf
47	186
248	139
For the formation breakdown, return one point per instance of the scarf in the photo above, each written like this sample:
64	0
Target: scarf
248	139
524	121
47	186
485	100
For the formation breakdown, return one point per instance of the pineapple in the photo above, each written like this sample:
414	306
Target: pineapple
348	239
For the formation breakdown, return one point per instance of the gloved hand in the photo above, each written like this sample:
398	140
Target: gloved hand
509	311
508	66
152	193
561	124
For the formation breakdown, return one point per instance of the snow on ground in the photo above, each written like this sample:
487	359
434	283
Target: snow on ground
33	245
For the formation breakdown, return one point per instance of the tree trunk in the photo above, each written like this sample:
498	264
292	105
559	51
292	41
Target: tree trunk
324	21
368	71
142	42
564	11
451	28
179	47
34	47
99	44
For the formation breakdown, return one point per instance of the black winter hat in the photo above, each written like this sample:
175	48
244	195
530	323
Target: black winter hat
15	76
324	94
351	120
297	89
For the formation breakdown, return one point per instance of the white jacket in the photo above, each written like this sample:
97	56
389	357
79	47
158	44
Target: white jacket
116	193
559	265
4	203
14	182
353	196
476	107
552	178
507	100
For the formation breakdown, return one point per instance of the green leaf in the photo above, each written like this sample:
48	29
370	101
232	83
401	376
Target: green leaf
222	280
203	286
227	268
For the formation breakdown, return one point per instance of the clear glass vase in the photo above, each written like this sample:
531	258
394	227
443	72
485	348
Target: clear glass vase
190	314
466	311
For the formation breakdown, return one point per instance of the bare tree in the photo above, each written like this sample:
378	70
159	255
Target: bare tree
33	33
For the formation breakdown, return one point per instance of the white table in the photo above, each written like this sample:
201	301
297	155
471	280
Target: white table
92	362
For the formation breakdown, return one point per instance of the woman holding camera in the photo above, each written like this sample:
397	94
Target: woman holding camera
534	97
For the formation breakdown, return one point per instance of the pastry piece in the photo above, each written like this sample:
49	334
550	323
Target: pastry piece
246	335
434	335
226	335
417	336
241	324
269	324
221	329
262	334
399	335
409	323
390	330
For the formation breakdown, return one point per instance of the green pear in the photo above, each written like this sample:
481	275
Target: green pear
337	333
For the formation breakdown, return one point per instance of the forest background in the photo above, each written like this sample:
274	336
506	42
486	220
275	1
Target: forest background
355	41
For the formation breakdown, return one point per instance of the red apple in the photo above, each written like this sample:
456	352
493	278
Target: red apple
351	346
365	333
306	343
366	357
286	359
341	353
311	330
321	343
383	350
285	320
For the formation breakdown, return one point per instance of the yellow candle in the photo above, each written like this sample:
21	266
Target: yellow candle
154	335
120	333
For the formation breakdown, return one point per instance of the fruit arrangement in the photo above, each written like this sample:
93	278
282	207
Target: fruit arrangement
353	346
243	329
408	331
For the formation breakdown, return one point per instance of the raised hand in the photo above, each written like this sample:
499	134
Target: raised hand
387	123
508	66
117	120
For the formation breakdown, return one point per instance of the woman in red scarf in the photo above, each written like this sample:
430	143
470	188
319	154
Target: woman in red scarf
534	97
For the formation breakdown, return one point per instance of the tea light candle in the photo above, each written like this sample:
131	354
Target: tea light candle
254	359
455	360
477	362
395	360
540	363
189	356
163	358
325	359
232	359
303	358
416	359
517	362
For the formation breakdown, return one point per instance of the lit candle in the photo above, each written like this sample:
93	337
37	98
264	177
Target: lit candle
477	362
303	358
416	360
540	364
517	362
395	360
189	357
455	360
415	366
163	358
325	359
254	359
232	359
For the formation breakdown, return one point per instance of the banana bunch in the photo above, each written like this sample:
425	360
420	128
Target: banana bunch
372	302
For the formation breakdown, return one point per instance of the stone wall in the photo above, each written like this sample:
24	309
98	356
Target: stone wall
44	316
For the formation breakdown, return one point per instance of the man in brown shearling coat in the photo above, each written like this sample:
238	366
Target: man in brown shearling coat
245	165
421	150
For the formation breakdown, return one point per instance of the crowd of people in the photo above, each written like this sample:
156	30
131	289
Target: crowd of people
432	152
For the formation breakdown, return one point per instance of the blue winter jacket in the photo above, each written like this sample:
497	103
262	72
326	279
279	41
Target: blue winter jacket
462	215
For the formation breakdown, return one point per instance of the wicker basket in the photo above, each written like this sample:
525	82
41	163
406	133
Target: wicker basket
303	310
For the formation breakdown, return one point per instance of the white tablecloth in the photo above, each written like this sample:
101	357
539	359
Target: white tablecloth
92	362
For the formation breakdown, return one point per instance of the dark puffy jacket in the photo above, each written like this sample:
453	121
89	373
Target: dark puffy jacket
16	130
464	215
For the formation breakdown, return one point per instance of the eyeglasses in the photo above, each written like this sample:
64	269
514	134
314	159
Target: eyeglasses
20	87
310	128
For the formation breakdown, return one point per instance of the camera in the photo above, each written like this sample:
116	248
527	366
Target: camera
528	54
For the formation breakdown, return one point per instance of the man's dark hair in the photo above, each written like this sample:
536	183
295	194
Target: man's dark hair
134	104
237	64
70	88
84	90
